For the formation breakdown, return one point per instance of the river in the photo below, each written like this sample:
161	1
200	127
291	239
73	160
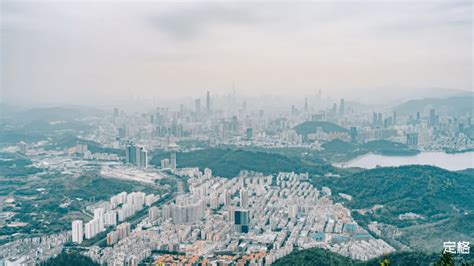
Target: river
453	162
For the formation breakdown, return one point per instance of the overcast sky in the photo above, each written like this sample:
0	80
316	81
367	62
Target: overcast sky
75	52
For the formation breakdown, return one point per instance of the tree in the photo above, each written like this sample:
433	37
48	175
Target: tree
385	261
446	259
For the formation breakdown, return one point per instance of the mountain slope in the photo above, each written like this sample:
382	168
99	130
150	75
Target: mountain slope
459	105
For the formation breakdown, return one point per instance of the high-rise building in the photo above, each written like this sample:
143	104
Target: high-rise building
81	148
153	213
110	218
227	197
173	160
433	120
249	133
306	104
353	134
186	210
412	139
99	215
136	155
241	220
244	198
208	102
91	228
197	104
165	163
77	232
342	107
394	118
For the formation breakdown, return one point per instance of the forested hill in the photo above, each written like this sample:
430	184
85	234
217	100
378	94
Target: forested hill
229	162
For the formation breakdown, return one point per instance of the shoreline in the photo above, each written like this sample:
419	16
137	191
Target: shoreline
401	160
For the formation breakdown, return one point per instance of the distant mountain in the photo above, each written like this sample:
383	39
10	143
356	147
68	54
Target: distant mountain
309	127
457	105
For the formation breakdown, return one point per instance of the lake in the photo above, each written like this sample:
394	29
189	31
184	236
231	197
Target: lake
453	162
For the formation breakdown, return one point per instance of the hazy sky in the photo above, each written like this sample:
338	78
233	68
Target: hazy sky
73	52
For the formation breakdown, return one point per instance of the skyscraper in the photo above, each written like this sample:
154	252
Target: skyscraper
341	107
244	198
136	155
433	120
77	232
173	160
306	104
208	102
241	220
353	134
412	139
197	104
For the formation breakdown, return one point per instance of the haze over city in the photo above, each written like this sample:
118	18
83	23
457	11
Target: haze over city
226	133
90	53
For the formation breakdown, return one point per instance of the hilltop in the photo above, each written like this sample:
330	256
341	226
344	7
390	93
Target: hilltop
458	104
309	127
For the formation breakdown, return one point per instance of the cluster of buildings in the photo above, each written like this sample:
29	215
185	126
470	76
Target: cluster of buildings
252	218
136	155
121	207
33	250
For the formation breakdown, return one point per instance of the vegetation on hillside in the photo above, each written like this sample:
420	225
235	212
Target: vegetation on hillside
309	127
229	162
323	257
70	259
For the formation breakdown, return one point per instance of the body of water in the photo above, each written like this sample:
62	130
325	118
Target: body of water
453	162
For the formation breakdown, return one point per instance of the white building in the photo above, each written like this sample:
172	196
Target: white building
77	231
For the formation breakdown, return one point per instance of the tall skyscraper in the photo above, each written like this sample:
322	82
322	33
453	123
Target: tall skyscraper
244	198
412	139
208	102
433	120
394	118
197	104
77	232
173	160
136	155
99	215
353	134
227	197
342	107
306	104
241	220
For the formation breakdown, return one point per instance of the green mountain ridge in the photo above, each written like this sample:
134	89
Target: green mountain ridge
229	162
